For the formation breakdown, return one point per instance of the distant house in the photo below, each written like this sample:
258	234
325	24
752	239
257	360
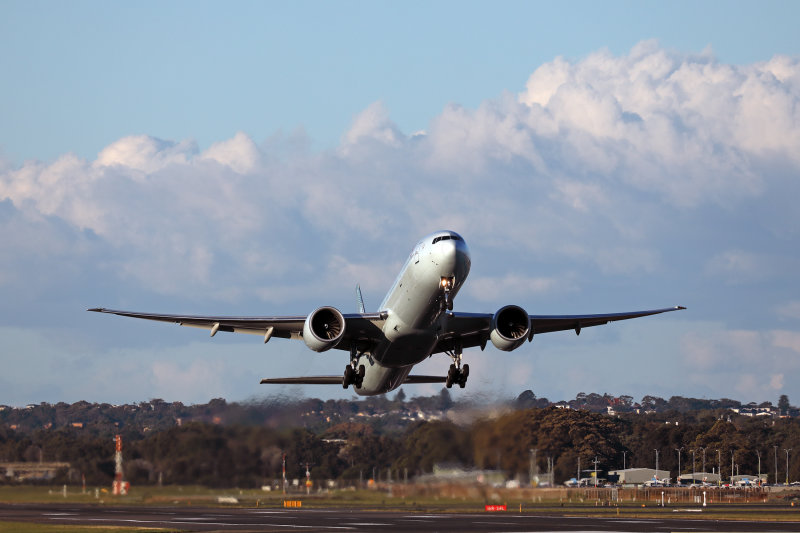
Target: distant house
31	471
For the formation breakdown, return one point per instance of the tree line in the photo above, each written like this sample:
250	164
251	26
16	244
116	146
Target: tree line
250	453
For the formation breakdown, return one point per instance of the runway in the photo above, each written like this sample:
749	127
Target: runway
342	520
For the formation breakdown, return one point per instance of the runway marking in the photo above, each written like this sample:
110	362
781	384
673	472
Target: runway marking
175	521
301	527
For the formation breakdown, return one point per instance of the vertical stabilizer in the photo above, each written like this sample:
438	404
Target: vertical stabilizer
360	300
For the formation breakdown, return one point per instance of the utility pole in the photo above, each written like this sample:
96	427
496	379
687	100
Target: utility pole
776	464
704	460
731	468
284	473
679	450
656	462
595	471
719	467
693	468
758	453
787	464
624	452
579	470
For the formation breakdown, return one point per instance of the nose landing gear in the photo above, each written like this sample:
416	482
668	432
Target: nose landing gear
457	374
447	300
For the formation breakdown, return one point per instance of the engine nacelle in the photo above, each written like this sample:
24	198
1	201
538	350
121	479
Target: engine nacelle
323	329
510	327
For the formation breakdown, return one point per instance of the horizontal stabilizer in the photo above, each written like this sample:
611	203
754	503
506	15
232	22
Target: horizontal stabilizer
337	380
311	380
425	379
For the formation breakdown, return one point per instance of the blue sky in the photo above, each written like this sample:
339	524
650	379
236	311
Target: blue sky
263	158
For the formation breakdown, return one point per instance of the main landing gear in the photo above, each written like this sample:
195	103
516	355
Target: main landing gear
457	373
353	376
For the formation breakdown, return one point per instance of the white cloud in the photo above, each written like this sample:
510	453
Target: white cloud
615	178
520	287
239	153
789	310
145	154
374	124
753	364
738	266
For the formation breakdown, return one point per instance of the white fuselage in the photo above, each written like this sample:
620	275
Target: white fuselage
414	309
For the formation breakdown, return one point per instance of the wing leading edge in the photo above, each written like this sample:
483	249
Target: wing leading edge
359	325
472	329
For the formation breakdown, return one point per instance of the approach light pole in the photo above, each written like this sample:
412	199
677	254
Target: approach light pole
719	467
595	470
732	468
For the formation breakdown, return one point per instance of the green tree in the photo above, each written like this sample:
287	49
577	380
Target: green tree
783	404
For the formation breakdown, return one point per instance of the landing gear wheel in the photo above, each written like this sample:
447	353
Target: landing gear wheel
456	373
462	380
358	378
349	374
452	376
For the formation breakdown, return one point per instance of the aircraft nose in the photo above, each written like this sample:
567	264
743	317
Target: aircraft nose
454	256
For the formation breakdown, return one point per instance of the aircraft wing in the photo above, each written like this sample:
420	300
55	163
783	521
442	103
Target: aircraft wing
472	329
360	327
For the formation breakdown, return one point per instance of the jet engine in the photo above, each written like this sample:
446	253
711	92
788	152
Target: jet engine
323	329
510	327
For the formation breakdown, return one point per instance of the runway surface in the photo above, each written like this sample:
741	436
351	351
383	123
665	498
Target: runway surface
339	520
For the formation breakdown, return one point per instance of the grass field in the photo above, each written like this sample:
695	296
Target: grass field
26	527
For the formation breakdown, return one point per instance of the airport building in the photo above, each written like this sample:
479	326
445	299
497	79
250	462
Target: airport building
698	478
638	476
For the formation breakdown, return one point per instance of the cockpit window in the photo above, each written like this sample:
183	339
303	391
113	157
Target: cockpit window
447	238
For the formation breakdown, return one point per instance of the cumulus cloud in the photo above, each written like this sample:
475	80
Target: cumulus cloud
487	288
655	169
683	125
755	363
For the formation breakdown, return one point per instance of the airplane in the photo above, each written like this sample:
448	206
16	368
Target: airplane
415	321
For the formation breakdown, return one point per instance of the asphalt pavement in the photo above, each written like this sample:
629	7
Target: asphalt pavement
339	520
